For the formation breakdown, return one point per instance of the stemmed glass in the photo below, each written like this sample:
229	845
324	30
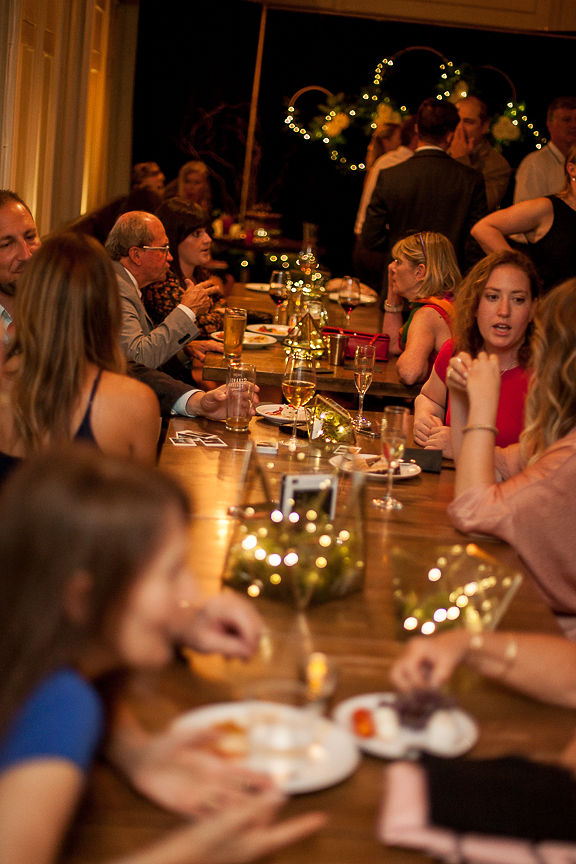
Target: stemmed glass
393	440
349	296
364	357
298	386
278	291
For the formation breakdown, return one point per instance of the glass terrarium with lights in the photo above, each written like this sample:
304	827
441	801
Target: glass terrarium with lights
302	555
436	588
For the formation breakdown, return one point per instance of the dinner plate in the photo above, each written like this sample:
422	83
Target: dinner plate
251	340
404	741
261	287
279	331
280	414
329	756
408	470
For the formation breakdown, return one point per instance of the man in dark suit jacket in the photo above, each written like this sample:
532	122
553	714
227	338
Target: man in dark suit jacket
430	192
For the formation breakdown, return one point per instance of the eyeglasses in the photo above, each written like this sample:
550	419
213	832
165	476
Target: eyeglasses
165	249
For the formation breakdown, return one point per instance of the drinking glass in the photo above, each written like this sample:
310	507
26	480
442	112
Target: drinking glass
234	327
278	292
349	296
240	381
364	357
298	386
393	440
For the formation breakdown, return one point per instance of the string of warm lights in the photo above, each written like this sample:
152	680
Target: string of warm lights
374	107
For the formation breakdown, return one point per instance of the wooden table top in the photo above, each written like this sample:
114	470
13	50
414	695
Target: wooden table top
360	633
270	362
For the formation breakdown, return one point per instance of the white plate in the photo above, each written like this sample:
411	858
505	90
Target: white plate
330	758
346	463
406	740
261	287
251	340
280	414
279	331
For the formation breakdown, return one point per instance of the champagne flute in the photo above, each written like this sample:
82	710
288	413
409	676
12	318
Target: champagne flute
278	291
349	296
364	357
298	386
393	440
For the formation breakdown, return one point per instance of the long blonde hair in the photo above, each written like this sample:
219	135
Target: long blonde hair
570	160
67	315
551	401
437	255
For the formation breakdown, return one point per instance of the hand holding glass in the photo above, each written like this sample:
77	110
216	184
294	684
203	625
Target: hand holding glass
364	357
393	440
349	296
298	386
278	291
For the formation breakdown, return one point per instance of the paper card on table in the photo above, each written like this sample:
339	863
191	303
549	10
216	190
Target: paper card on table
214	441
183	442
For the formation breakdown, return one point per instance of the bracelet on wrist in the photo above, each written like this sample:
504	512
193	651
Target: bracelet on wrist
481	427
390	307
510	652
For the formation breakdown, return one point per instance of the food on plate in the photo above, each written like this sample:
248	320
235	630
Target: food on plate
373	466
278	412
229	739
363	723
253	337
419	710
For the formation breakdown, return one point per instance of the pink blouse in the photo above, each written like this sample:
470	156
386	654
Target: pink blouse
535	511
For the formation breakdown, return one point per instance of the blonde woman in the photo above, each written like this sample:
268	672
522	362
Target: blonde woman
424	271
534	507
194	184
548	224
62	377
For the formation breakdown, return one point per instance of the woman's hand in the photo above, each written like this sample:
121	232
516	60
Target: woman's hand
457	372
440	438
226	624
424	427
483	386
429	662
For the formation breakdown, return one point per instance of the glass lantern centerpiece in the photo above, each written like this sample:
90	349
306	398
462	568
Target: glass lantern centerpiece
305	336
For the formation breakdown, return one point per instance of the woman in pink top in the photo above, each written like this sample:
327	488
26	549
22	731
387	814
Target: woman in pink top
493	312
534	507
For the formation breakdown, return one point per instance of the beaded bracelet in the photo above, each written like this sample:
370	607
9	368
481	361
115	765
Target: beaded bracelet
510	652
388	307
485	427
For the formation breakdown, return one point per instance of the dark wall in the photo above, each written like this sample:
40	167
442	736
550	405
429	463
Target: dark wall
197	58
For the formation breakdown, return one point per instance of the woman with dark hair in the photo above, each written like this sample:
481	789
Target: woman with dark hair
94	575
493	312
186	226
549	225
63	374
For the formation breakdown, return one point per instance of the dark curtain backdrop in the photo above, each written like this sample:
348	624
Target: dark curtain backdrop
194	79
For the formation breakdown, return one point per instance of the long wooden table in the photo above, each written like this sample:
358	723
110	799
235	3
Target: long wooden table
270	362
359	633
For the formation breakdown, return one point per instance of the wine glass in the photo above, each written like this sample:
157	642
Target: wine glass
278	291
349	296
298	386
364	357
393	440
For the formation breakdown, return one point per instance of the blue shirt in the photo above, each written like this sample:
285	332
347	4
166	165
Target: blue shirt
62	718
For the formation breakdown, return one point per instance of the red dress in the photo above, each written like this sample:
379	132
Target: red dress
513	389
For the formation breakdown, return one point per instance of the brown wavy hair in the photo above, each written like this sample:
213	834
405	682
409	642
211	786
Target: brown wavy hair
467	336
62	514
67	315
551	401
437	255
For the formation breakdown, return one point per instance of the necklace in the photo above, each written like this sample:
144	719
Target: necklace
510	366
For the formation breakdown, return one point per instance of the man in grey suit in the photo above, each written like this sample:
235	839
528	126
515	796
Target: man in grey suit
429	192
139	247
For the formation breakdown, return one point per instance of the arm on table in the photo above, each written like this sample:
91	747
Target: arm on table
429	415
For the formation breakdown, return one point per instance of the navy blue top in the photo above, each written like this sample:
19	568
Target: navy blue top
62	718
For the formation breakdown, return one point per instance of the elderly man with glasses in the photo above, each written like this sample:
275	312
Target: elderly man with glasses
139	248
